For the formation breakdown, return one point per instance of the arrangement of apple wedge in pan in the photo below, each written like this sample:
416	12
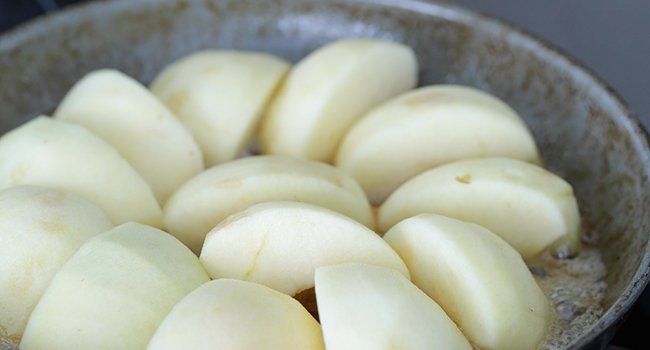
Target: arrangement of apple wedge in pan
240	202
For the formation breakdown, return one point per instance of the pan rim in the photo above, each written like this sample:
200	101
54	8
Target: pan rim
474	19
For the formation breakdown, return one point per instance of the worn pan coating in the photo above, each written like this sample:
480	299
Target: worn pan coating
585	131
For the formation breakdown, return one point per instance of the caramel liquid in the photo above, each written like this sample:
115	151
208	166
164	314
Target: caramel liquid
576	287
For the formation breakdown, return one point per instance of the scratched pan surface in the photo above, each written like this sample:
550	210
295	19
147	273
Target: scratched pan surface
585	133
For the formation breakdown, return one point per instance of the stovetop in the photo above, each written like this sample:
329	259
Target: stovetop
631	335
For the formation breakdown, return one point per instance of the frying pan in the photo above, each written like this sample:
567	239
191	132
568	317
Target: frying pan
584	130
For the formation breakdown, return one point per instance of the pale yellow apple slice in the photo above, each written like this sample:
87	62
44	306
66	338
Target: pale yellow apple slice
114	292
237	315
125	114
427	127
530	208
220	95
280	245
207	199
370	307
40	229
329	90
477	278
68	157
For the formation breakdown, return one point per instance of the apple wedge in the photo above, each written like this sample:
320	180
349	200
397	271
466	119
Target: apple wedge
280	245
477	278
210	197
371	307
40	229
65	156
329	90
237	315
114	292
428	127
530	208
125	114
220	95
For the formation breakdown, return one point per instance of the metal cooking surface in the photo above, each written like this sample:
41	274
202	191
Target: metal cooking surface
13	12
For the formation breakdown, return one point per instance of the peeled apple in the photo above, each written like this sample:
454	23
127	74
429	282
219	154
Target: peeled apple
529	207
220	95
61	155
477	278
237	315
204	201
114	292
125	114
329	90
428	127
40	228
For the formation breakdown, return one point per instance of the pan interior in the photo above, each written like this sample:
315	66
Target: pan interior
582	129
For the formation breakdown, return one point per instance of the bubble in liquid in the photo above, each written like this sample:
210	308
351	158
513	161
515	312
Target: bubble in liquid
576	287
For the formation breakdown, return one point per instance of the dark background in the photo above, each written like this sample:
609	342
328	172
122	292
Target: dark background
612	37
